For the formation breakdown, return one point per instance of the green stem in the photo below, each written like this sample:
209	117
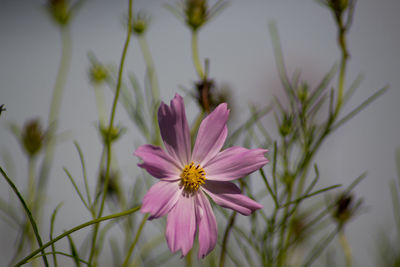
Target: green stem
283	225
76	228
31	183
343	48
150	66
346	247
29	214
55	111
100	103
195	55
132	247
61	76
155	91
110	127
188	258
225	239
31	203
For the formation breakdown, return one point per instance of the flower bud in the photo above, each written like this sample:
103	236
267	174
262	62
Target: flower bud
286	126
195	13
302	93
115	133
98	73
32	137
59	11
140	23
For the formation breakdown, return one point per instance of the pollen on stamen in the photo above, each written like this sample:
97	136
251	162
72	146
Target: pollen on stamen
192	177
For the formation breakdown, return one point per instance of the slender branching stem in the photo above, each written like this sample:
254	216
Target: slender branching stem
345	246
100	103
76	228
110	128
55	104
133	245
195	55
29	214
229	226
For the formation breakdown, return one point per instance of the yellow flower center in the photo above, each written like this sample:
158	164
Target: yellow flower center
192	177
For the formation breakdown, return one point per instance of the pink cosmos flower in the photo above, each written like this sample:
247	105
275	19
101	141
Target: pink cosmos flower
187	177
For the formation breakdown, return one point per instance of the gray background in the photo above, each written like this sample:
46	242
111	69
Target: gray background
239	46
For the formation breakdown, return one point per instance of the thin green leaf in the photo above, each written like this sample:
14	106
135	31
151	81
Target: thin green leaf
355	182
354	85
320	247
53	218
61	253
29	214
76	228
363	105
311	195
176	12
216	9
323	84
269	188
280	63
116	255
76	188
78	148
74	252
253	118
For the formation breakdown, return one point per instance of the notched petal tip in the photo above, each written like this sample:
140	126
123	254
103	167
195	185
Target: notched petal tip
174	129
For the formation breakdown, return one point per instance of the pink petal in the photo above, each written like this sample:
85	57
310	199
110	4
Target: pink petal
207	225
228	195
174	130
211	135
160	199
234	163
181	225
158	163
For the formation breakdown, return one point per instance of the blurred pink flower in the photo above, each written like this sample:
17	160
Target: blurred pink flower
186	177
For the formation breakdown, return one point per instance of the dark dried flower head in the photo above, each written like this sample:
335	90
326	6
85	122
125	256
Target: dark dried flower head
209	97
113	187
2	108
298	228
346	206
338	5
59	11
32	137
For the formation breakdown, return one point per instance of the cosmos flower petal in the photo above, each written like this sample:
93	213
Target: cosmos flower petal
158	163
181	225
234	163
228	195
160	199
211	135
174	130
208	230
183	189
